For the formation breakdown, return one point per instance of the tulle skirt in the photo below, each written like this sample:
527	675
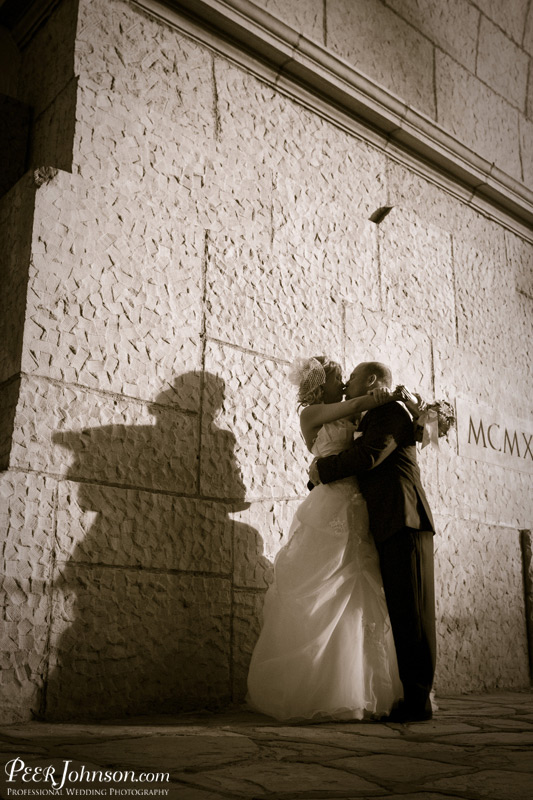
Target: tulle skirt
326	649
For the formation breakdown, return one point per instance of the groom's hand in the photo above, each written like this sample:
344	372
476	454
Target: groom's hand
314	477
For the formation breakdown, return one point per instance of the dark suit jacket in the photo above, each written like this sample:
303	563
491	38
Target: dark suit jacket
384	461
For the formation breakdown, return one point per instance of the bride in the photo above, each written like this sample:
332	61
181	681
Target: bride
326	649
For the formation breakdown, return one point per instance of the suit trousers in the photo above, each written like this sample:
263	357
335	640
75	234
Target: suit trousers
406	560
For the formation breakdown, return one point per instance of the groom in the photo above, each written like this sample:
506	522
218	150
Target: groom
384	461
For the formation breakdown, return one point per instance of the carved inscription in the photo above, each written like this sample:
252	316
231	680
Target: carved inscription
487	434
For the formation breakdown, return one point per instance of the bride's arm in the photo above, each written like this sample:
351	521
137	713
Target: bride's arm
313	417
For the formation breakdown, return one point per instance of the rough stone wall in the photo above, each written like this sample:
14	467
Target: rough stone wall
464	64
211	230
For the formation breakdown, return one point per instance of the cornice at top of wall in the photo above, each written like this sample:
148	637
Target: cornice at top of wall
333	87
329	85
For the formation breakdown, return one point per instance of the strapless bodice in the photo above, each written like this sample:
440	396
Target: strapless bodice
334	437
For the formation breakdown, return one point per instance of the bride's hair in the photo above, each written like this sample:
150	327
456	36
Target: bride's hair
312	375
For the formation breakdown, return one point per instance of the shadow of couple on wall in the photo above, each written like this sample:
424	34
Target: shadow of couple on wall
142	610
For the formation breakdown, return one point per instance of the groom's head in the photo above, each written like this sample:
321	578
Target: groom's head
367	376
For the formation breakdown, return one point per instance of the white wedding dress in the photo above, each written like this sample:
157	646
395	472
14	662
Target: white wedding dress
326	649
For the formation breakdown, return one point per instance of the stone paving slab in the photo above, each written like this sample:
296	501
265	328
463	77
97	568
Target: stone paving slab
184	752
490	784
476	747
281	779
424	796
492	737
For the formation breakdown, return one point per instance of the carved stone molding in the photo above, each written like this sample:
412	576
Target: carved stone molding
310	73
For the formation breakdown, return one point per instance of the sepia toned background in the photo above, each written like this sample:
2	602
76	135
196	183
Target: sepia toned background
181	216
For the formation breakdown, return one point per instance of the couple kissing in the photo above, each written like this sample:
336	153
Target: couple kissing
349	619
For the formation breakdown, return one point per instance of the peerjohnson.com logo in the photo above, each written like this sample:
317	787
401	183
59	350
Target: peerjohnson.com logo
45	781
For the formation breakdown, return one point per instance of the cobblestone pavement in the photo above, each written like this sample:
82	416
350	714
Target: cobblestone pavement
477	746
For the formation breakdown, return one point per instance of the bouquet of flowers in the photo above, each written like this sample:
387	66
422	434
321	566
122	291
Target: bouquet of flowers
432	420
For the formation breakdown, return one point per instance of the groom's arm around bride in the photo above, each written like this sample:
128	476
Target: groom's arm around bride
384	461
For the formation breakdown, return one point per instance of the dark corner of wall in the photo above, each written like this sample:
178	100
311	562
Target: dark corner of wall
37	86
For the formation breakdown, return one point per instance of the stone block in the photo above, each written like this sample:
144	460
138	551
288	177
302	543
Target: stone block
460	371
260	122
148	60
511	17
114	300
79	434
15	121
527	43
260	532
16	223
526	147
374	336
119	144
251	291
453	25
529	100
160	97
176	162
473	230
413	193
353	247
247	620
131	528
126	641
468	488
502	64
477	116
9	395
235	196
417	274
27	517
471	489
490	311
47	63
480	608
53	130
429	462
306	17
520	255
311	159
27	510
331	239
380	44
253	448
